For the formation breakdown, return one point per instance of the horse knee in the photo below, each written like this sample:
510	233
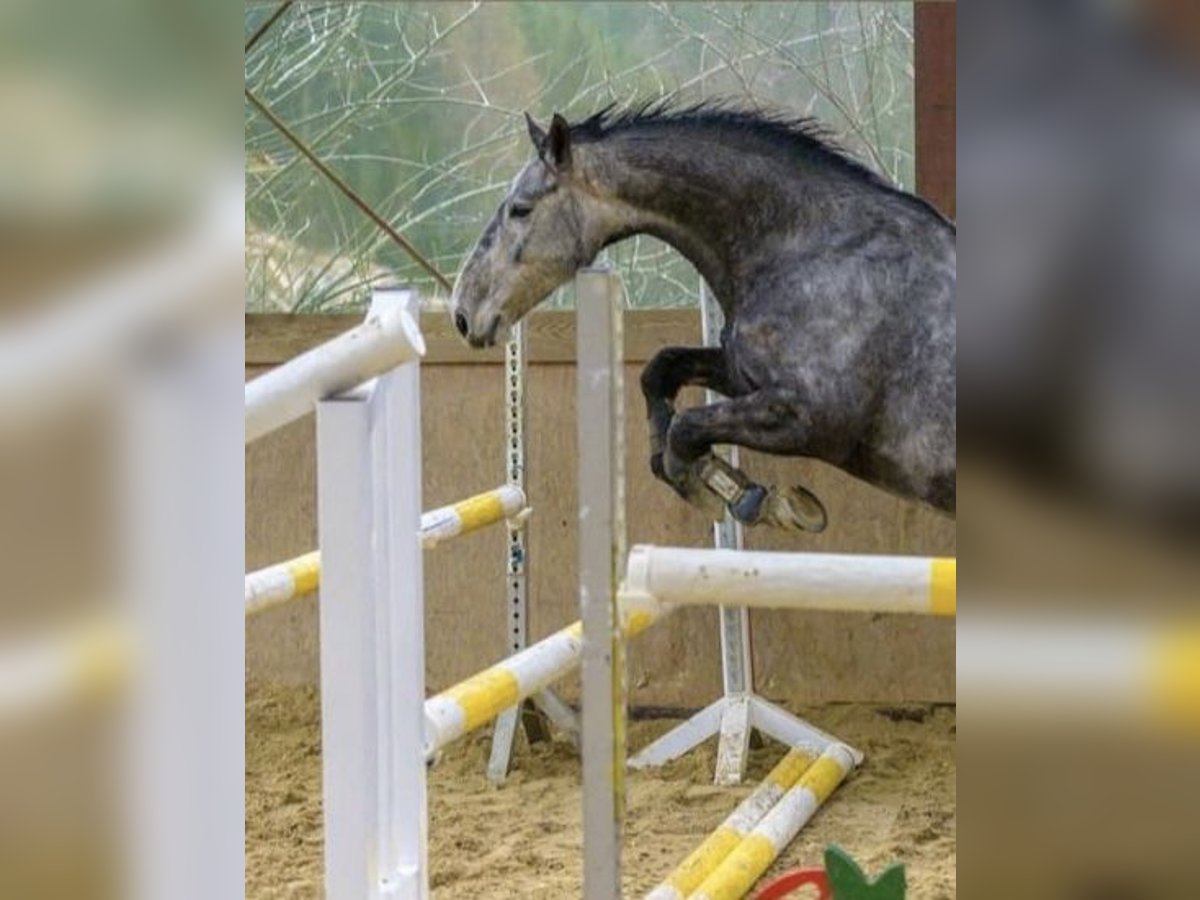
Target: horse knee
653	378
687	437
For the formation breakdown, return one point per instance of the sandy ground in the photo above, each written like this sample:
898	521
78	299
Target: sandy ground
523	840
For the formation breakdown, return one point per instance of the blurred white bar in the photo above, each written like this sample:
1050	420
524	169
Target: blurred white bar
185	551
1080	667
87	334
387	338
87	661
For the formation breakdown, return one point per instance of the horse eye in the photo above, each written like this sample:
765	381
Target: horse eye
519	212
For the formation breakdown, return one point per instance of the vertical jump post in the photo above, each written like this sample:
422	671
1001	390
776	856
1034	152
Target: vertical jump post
600	429
372	635
737	660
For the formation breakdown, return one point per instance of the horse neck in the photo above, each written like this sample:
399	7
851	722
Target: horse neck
718	205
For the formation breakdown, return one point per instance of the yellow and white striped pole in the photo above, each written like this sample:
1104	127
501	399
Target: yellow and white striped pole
736	875
703	861
481	698
471	514
284	582
90	662
828	581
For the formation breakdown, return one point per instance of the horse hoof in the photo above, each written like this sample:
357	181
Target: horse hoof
747	508
795	509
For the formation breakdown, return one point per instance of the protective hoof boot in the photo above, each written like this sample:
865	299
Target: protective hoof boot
747	507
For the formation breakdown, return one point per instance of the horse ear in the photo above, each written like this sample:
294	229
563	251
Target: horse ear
536	133
560	142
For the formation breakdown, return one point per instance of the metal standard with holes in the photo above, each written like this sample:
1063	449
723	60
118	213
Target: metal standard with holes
516	574
515	582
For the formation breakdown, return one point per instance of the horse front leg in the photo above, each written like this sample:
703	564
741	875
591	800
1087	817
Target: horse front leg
772	420
667	373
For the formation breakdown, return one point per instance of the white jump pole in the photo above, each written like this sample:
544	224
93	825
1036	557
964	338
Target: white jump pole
826	581
390	336
372	641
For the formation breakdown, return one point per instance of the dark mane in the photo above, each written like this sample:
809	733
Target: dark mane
786	134
789	133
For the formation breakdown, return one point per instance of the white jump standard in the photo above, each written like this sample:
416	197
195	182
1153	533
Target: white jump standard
389	337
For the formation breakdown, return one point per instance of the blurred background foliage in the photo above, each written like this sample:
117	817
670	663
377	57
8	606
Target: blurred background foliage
419	107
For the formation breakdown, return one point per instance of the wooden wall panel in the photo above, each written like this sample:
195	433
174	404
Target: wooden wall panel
800	658
935	37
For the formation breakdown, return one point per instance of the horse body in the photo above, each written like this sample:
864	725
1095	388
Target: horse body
837	291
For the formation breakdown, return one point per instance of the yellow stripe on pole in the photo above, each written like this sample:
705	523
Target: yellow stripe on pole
823	778
638	621
485	696
703	861
690	873
943	587
736	875
1175	679
480	511
306	572
789	769
741	868
103	660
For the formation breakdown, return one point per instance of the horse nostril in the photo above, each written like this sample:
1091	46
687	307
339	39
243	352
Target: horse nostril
461	323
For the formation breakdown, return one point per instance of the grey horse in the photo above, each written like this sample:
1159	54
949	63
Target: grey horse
837	290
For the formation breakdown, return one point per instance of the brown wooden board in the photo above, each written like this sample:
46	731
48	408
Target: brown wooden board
935	32
273	338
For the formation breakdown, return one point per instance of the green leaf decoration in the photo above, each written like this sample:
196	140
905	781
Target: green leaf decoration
849	882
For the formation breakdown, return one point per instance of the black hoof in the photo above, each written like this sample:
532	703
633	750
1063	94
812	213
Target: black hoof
747	508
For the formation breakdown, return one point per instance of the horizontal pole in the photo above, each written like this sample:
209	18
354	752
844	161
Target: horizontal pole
286	581
818	581
472	514
481	698
387	338
89	662
705	859
283	582
736	875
